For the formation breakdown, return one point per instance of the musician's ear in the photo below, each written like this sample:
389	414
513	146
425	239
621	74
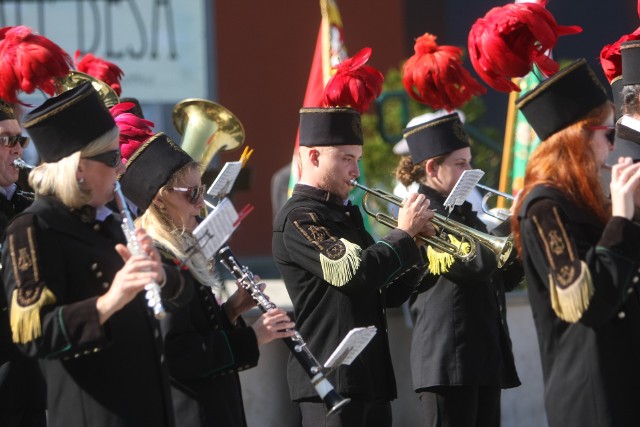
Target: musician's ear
431	167
158	203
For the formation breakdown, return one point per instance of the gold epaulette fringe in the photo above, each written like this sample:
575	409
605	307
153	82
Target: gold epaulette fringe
25	321
339	271
440	262
571	302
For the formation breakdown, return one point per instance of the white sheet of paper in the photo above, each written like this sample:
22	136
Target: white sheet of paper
223	183
463	188
216	228
351	346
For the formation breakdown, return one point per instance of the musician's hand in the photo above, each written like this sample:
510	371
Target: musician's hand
625	181
272	325
414	214
240	301
136	273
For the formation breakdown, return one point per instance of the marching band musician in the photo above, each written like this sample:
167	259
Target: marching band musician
581	254
74	288
206	343
461	354
628	127
22	389
337	276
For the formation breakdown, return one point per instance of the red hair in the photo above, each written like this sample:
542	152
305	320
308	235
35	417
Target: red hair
566	161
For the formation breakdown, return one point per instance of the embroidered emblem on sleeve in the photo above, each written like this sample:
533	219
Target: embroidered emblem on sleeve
570	283
30	293
339	258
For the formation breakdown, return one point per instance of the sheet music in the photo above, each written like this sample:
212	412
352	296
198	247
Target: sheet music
223	183
463	187
216	228
351	346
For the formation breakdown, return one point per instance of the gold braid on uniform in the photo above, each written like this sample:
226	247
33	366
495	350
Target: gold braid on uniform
339	258
570	283
30	294
440	262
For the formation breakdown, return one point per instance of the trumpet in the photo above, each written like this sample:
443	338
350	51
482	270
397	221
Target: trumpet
500	214
500	246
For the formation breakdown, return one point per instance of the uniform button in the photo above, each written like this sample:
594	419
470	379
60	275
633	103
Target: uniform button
99	274
621	315
94	266
156	333
630	290
95	350
105	285
635	279
96	227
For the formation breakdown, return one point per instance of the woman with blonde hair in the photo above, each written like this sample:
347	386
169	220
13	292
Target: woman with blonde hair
581	254
207	343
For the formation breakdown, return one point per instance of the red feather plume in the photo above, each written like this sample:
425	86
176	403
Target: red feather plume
101	69
510	39
28	61
610	56
354	84
434	75
134	131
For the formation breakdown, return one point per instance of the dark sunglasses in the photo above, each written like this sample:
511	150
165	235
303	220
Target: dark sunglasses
611	134
11	141
193	193
110	158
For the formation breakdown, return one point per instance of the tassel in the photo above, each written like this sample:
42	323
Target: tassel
339	271
440	262
571	302
25	320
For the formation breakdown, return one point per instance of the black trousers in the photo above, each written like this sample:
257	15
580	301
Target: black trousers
461	406
357	413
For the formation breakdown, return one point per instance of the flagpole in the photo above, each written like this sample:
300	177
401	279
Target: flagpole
509	137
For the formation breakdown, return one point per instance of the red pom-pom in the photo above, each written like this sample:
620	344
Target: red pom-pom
101	69
434	75
134	131
510	39
29	61
354	84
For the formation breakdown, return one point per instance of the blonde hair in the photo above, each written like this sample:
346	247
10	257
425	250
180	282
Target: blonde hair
173	237
58	179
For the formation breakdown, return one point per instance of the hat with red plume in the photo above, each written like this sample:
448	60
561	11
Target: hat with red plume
434	75
29	61
101	69
347	95
134	131
508	40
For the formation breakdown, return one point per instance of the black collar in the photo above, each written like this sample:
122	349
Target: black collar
318	194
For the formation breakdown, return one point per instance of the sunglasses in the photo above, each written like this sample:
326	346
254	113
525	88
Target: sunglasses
110	158
611	134
11	141
193	193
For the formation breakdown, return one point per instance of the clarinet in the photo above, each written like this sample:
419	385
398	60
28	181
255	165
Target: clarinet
152	290
331	398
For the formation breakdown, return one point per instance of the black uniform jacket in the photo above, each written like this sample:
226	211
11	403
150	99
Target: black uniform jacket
460	334
21	384
56	264
591	370
336	276
204	353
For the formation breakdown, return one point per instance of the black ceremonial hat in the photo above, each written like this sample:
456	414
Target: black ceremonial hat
150	167
330	127
562	99
68	122
630	52
435	138
136	109
6	111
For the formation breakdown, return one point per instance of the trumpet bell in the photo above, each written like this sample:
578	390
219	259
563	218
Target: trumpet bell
76	78
206	128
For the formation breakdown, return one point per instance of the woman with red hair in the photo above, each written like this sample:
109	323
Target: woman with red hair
581	253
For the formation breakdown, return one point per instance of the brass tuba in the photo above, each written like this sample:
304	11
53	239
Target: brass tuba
206	128
75	78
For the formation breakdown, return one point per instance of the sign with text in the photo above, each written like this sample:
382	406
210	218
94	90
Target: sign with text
161	45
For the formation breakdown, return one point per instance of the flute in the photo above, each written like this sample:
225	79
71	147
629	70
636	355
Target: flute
152	290
331	398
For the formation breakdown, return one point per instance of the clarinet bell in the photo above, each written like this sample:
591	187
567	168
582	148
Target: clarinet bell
334	402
